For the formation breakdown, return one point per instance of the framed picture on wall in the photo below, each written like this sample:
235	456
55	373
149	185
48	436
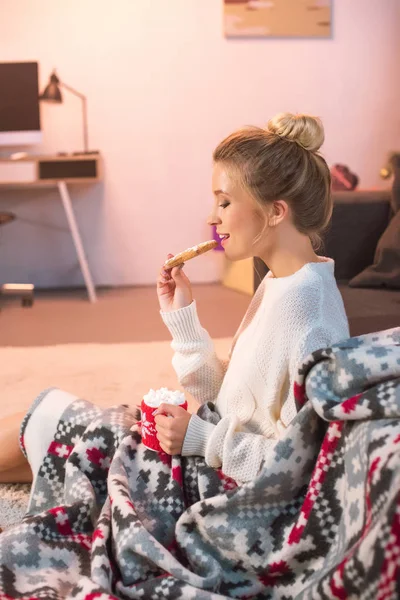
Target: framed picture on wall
278	18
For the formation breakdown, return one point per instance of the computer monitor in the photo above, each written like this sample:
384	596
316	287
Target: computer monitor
19	104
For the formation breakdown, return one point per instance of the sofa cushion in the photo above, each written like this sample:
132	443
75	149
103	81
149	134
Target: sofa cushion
370	310
385	269
359	218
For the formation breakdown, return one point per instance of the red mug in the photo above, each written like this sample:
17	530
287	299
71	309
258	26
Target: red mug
148	426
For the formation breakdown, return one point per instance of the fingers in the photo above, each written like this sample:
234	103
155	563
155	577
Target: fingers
171	431
164	278
165	268
168	410
170	440
177	271
162	423
137	427
174	269
164	275
171	449
168	278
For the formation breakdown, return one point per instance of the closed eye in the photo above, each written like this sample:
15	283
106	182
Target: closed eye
224	205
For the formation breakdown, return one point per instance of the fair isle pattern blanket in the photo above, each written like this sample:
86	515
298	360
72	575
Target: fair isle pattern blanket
110	519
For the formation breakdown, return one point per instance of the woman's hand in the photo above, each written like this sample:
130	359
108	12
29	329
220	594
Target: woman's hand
174	290
135	413
171	431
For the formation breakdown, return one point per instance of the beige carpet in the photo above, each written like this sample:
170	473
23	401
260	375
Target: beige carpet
106	374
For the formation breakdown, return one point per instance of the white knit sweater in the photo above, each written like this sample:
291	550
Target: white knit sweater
288	318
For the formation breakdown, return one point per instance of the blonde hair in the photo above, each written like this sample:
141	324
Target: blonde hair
282	162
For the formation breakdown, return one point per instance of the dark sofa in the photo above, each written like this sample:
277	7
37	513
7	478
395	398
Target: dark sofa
359	219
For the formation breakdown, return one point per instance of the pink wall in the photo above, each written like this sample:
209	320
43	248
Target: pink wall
163	87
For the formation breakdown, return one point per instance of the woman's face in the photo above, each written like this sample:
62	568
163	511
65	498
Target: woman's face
236	214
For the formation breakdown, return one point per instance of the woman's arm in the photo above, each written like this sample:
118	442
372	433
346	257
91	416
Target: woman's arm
197	366
241	454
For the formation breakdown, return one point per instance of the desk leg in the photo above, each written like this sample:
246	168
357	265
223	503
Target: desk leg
66	200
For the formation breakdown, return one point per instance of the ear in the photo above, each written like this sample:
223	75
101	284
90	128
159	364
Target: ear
279	211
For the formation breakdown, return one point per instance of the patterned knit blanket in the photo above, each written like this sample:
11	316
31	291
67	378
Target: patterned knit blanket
110	519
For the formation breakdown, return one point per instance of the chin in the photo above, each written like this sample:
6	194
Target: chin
236	256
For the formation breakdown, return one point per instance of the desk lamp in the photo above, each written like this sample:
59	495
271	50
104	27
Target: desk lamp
52	93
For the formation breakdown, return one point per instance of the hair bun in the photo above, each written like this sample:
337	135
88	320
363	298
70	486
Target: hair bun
305	130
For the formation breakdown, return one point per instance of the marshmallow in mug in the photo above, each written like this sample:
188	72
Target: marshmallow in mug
156	397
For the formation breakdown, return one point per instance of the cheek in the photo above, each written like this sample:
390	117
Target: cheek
244	224
250	225
232	222
237	220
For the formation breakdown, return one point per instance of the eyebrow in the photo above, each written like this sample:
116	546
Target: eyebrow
218	192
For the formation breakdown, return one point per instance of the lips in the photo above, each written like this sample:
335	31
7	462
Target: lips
224	237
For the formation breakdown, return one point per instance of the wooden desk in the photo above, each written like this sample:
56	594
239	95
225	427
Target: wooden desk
57	170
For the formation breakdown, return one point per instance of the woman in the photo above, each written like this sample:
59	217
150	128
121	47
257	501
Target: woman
273	201
108	517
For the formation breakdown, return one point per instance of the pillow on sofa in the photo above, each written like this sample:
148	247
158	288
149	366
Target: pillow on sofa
385	272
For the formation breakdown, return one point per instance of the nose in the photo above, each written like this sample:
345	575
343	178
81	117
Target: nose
213	218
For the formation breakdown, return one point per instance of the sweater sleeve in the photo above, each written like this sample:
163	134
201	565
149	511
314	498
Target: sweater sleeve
196	364
241	454
316	338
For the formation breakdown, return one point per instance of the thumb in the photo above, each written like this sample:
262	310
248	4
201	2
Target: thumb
169	410
178	274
